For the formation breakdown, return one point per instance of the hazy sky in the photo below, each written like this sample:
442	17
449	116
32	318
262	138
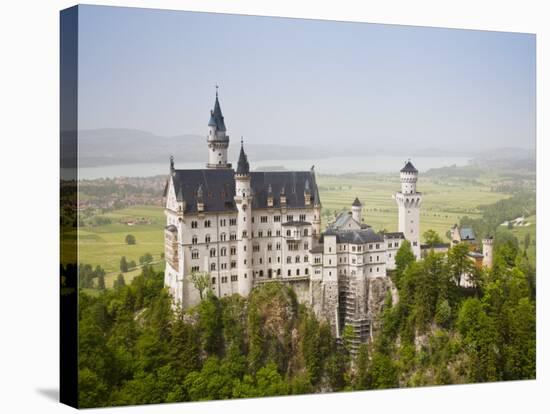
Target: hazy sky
311	82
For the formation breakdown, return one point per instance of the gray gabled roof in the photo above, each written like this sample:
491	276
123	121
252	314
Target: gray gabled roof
216	117
218	188
355	236
409	168
467	233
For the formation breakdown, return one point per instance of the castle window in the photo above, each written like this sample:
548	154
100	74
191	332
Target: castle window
390	244
244	234
269	233
288	233
305	232
290	217
233	250
222	221
256	248
212	266
370	258
194	224
289	259
194	240
261	273
276	219
307	271
207	223
233	236
223	266
232	221
370	269
207	238
352	248
278	272
329	261
194	269
377	245
353	261
278	246
252	219
306	259
223	237
269	260
261	260
224	279
269	247
288	273
302	217
194	254
223	251
370	246
377	258
278	259
263	219
278	233
260	234
306	245
234	278
297	272
297	259
233	264
213	280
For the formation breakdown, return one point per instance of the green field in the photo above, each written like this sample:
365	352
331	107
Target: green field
105	245
444	203
520	233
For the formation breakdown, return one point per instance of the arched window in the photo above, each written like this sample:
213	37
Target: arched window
223	237
207	238
212	252
194	240
289	259
194	254
305	232
297	259
212	266
223	251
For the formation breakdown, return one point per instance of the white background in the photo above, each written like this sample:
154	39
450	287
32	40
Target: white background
29	72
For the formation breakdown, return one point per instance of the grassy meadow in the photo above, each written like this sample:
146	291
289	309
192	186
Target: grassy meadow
444	202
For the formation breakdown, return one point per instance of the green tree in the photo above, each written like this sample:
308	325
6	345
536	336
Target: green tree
431	238
527	241
130	239
403	258
101	282
146	258
201	282
123	264
119	282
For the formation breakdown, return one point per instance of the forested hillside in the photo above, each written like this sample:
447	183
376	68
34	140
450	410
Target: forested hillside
134	349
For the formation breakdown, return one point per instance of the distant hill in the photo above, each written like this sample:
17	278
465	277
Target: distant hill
127	146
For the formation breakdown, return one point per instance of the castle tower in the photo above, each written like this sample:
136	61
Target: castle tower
217	140
357	210
243	201
408	202
487	252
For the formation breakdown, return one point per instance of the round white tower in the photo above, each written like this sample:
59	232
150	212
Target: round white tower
243	202
408	202
357	210
217	139
487	243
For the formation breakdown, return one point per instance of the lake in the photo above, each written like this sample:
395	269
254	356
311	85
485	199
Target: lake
334	165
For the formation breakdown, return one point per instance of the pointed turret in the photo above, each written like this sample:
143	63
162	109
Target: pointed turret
217	139
216	116
357	210
243	168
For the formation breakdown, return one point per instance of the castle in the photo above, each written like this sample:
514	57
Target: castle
244	228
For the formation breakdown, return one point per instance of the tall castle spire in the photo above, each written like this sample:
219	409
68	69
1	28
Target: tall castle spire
217	139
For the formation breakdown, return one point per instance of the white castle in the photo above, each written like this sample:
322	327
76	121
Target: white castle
244	228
